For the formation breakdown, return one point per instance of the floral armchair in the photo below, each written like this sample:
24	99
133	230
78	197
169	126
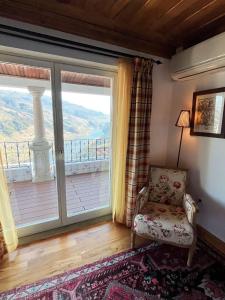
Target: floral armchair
164	212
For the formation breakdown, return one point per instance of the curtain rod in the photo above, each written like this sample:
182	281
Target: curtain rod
56	41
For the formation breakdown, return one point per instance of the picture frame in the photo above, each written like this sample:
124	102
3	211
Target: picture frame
208	113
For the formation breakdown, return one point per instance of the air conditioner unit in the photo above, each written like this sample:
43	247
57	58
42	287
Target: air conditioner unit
203	58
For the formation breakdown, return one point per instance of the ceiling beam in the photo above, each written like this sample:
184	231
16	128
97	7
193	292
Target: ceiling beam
25	13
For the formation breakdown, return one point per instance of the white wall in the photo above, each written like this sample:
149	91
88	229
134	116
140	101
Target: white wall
161	106
203	156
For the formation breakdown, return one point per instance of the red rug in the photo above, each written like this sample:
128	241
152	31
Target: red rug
150	272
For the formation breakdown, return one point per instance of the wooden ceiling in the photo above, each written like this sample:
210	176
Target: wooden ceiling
154	26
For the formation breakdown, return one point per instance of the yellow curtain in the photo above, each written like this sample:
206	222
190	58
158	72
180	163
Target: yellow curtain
6	217
121	115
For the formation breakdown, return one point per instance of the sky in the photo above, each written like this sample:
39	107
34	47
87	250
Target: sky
100	103
95	102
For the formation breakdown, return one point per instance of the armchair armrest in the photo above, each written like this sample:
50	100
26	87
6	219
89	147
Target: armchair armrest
142	198
191	208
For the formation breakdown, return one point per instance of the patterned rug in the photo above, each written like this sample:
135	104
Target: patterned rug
151	272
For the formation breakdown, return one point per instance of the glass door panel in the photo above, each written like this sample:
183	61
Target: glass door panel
86	103
27	144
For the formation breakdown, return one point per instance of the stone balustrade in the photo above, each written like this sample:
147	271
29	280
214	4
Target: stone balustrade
25	173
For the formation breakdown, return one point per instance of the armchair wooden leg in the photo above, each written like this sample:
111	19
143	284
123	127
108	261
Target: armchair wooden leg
133	236
190	254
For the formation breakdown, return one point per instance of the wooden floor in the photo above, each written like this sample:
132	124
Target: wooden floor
55	255
36	202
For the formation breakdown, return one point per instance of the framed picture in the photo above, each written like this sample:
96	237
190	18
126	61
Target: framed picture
208	113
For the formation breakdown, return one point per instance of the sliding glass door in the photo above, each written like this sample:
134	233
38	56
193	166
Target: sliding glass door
28	143
86	97
55	141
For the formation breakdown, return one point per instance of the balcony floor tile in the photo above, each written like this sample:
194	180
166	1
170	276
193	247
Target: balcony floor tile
35	202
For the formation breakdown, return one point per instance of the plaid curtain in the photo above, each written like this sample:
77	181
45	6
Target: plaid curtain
2	244
139	133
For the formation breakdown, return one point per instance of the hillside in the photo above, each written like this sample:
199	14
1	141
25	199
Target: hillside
16	118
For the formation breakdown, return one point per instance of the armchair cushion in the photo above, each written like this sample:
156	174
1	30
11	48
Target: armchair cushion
167	185
164	222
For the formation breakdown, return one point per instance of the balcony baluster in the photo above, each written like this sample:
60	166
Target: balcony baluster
18	154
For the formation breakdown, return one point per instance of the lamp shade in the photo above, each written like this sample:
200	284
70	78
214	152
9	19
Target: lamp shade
183	119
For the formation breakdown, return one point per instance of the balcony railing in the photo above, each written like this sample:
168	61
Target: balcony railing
18	154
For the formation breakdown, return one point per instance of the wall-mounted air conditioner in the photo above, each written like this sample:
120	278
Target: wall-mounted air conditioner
203	58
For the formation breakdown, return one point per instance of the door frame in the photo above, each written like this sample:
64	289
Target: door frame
55	81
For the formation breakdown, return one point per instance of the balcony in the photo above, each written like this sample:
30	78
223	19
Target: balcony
87	179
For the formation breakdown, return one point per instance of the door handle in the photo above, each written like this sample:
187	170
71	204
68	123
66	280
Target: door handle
60	154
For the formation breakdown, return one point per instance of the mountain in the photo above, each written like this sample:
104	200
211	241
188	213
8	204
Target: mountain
16	118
